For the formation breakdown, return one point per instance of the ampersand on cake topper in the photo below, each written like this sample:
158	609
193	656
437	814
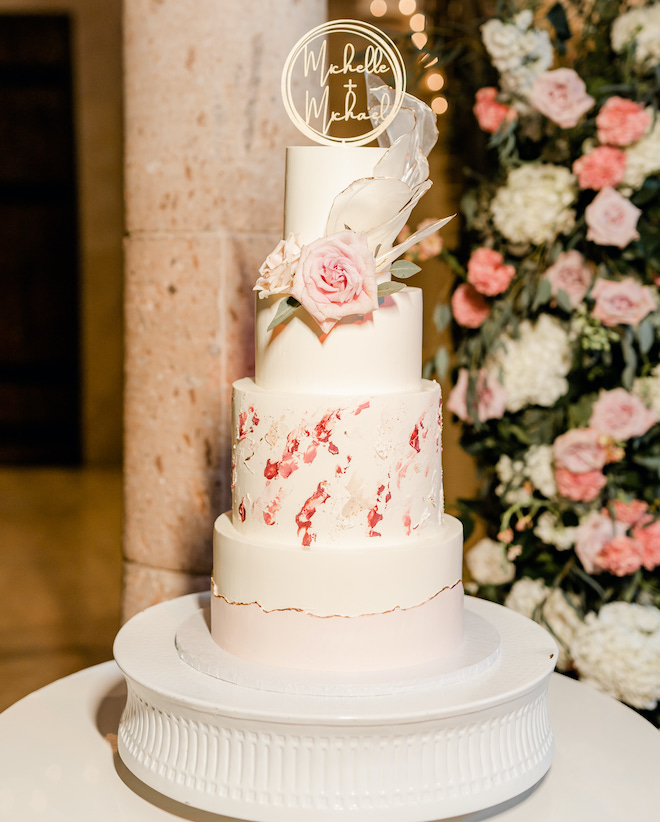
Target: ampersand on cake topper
316	109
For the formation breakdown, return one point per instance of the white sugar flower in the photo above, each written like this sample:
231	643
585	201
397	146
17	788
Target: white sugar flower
642	159
539	469
618	651
536	203
551	530
488	564
641	26
555	609
535	364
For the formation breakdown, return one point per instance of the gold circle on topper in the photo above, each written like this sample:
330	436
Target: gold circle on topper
380	56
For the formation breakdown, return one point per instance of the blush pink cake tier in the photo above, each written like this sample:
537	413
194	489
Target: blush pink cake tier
337	554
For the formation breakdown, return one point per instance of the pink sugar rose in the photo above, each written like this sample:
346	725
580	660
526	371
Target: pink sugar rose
491	396
621	122
489	112
621	415
621	556
469	307
600	168
649	537
562	96
583	487
622	302
580	450
335	278
593	532
612	219
571	274
487	273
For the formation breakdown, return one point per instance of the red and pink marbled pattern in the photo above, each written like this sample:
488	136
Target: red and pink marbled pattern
334	471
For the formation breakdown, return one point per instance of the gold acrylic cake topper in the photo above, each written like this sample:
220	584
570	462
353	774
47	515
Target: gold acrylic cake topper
314	108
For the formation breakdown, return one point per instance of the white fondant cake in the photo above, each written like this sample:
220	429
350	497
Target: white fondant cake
336	554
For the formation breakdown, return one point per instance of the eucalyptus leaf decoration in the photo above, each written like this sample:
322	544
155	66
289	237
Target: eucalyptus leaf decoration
284	310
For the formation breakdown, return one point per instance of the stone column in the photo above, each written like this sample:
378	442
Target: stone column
205	137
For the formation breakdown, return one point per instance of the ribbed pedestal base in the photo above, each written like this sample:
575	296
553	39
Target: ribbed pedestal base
442	746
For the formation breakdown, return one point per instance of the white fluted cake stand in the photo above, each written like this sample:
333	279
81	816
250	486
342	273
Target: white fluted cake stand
265	745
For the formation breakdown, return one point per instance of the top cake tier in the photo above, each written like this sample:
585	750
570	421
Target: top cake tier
378	353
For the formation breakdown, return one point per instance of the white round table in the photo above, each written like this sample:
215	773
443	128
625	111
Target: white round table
58	760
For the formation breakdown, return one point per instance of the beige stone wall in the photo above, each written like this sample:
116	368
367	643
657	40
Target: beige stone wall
98	128
205	139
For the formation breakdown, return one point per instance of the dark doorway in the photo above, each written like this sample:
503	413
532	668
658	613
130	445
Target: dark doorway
39	323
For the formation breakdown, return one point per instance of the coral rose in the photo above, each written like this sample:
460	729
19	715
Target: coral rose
489	112
583	487
621	556
491	396
580	450
621	415
593	532
604	166
649	537
622	302
335	278
621	122
612	219
469	307
571	274
631	512
562	96
487	273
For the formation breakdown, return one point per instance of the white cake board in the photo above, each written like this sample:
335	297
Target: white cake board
453	744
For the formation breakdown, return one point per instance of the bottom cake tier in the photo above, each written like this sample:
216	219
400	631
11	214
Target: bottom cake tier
338	610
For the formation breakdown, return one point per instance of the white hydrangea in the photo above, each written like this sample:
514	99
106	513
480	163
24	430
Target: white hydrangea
553	532
539	469
518	52
553	608
648	389
643	26
512	479
642	159
536	203
488	564
618	652
535	364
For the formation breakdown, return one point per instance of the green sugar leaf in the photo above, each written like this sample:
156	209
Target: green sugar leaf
389	288
284	311
404	269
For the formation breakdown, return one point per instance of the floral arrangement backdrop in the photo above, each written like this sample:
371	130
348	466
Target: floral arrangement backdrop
556	316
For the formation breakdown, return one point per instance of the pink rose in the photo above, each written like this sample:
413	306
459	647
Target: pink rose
562	96
489	113
593	532
649	537
487	273
621	556
276	272
580	450
469	307
491	396
583	487
622	302
631	512
430	246
621	415
612	219
621	122
570	274
336	278
600	168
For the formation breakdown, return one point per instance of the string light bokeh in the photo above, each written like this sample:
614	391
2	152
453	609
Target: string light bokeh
406	12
